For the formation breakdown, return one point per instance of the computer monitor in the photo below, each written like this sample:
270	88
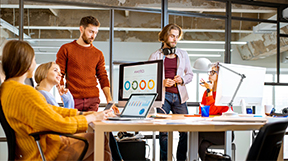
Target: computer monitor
251	89
141	77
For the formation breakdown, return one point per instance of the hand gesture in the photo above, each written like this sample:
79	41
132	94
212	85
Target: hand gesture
178	79
206	84
61	89
168	82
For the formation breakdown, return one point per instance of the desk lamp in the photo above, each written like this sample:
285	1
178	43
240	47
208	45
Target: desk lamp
204	64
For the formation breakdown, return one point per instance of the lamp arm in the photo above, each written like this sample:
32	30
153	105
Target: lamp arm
234	95
241	80
241	75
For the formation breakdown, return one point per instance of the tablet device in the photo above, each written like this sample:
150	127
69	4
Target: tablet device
109	105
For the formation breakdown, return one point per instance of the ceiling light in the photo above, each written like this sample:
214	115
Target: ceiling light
197	49
50	40
45	47
213	42
204	55
37	53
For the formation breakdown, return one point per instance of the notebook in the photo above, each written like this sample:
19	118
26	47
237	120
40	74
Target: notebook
137	107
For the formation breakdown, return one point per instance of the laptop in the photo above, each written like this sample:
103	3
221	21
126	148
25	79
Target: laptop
137	107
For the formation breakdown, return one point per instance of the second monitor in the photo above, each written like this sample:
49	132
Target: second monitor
250	90
141	77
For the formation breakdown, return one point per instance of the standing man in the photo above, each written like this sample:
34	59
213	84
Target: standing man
82	63
177	72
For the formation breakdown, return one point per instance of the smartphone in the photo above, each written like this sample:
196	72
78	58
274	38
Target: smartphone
204	82
109	105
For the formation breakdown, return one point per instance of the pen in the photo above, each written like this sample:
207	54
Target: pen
204	82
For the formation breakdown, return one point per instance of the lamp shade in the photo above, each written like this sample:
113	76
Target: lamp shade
202	64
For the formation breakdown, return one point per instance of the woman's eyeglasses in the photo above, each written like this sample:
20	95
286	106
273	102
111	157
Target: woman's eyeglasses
212	72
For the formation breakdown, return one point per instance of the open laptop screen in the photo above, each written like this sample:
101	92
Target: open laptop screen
138	105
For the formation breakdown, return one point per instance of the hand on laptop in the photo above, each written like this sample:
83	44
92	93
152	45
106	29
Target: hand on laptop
98	116
111	114
115	109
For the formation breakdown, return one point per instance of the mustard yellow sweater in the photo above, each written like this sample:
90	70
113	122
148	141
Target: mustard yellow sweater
27	111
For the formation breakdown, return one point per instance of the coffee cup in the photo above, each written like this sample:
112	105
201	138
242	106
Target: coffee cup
205	111
268	109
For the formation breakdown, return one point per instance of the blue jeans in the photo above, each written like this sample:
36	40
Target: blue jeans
173	103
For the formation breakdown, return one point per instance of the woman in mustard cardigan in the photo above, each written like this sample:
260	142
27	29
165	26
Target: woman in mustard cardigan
27	111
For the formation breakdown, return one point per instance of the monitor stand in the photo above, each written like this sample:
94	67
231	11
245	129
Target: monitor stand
230	113
153	111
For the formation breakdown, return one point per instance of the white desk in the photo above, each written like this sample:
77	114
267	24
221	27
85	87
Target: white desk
193	125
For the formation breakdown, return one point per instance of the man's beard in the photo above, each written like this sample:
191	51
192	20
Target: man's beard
169	45
86	40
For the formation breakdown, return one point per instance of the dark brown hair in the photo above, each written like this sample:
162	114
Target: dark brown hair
85	21
163	35
17	58
41	71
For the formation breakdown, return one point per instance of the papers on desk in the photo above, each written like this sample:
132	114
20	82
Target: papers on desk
126	122
240	119
190	120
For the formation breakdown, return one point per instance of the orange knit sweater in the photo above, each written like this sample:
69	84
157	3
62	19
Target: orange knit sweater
210	100
27	111
80	65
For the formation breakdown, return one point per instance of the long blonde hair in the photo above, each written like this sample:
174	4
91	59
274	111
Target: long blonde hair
41	72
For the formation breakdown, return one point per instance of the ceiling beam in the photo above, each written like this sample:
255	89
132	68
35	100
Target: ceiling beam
54	11
191	9
132	29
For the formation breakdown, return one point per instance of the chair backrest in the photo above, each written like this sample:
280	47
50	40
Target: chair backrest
10	135
268	141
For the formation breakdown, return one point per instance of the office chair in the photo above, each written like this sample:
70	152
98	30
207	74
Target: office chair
222	147
11	139
233	148
268	141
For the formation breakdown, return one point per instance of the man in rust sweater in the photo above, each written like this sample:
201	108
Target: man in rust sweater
81	63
